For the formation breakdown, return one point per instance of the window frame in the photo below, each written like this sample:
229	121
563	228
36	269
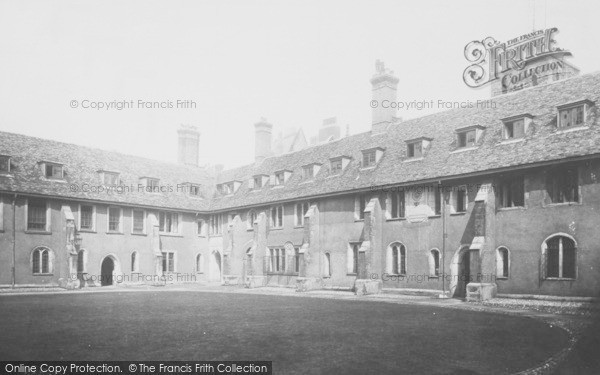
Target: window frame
570	108
134	258
505	274
40	268
133	231
435	272
561	257
79	211
557	185
299	220
352	255
505	192
397	261
165	261
176	225
279	216
8	164
53	165
120	229
48	217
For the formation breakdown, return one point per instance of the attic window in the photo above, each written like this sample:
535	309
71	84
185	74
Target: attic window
151	184
227	188
515	127
110	178
573	114
336	166
310	171
467	138
257	182
415	149
371	157
195	191
4	164
279	178
53	171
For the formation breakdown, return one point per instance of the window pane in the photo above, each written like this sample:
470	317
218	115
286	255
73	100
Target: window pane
36	215
552	269
45	261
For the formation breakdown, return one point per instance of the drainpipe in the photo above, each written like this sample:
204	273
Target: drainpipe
14	242
444	235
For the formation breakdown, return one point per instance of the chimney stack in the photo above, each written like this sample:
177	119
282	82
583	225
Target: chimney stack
330	130
383	104
263	138
188	145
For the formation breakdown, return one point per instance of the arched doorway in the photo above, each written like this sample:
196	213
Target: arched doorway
462	271
248	263
107	269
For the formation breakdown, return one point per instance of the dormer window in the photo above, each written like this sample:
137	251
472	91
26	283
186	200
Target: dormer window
257	182
515	127
151	184
310	171
469	136
371	157
227	188
573	114
280	177
415	148
195	190
338	164
109	178
53	170
4	164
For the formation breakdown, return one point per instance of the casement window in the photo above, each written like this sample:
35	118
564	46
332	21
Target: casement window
414	149
301	209
87	218
38	215
53	171
562	185
277	260
514	129
110	178
81	261
201	227
135	262
559	253
168	222
115	219
138	221
216	224
307	172
369	158
460	199
42	259
4	164
327	265
195	190
168	262
467	138
397	259
434	263
279	178
360	204
396	204
199	264
277	217
502	263
258	182
511	192
352	257
152	185
336	166
571	116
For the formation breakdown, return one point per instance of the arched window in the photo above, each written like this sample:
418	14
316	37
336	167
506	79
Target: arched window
327	265
81	260
397	259
502	263
199	264
135	265
434	262
559	254
41	261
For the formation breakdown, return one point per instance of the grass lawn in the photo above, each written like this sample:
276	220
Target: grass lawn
300	335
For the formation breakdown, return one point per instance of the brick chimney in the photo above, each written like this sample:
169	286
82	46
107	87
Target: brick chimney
188	145
263	138
384	85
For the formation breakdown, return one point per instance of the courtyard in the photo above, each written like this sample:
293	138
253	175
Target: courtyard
300	335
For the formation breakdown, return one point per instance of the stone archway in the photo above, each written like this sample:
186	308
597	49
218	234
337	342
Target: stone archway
109	269
460	272
214	266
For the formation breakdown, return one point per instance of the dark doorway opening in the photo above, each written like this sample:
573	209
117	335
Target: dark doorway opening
108	266
464	274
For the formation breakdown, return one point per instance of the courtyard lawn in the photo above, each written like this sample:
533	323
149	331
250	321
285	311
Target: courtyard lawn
300	335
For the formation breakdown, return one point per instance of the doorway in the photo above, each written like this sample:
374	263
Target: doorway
107	270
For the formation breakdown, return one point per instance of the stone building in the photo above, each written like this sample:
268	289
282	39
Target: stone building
493	198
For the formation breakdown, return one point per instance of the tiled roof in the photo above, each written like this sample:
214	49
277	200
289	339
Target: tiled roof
543	142
81	173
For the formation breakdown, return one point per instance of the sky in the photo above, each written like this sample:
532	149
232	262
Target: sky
294	63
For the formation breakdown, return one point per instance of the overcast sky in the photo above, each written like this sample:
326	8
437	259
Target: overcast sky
293	62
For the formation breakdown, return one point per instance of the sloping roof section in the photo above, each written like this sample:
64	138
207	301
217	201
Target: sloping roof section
82	179
543	142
